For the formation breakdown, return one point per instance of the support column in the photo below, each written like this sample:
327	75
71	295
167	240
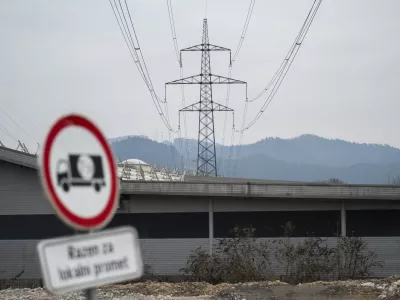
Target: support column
343	220
210	226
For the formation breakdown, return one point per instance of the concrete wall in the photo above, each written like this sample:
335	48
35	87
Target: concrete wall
20	193
155	203
168	256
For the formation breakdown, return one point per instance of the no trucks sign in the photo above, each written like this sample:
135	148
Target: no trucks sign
79	173
79	177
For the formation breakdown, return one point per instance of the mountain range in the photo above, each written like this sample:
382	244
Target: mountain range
304	158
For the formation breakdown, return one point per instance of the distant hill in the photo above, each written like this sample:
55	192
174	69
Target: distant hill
121	138
312	149
146	150
305	158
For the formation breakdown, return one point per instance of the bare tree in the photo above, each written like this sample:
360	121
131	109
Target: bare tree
334	180
394	180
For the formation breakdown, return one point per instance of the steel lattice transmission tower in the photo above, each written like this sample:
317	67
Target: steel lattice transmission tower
206	153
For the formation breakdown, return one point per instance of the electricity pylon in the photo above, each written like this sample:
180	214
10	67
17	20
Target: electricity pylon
206	153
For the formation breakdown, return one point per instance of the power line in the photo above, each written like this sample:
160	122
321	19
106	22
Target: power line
177	53
287	57
173	31
2	128
288	62
244	31
138	57
140	49
15	122
241	136
236	53
12	136
231	150
129	42
279	75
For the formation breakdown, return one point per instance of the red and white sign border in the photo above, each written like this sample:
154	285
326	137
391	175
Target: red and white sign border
77	222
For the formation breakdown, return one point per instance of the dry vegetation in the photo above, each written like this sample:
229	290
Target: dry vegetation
243	258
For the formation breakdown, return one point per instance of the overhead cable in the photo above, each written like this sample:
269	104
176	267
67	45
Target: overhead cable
12	120
177	53
2	128
287	63
137	56
289	54
279	75
244	31
236	53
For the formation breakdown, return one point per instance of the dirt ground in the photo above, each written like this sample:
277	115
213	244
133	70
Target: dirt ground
298	292
275	290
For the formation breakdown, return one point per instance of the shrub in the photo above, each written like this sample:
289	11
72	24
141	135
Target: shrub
236	259
309	260
354	259
243	258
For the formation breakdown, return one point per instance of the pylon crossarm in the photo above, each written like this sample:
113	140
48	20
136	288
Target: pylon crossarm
196	107
212	79
220	107
217	48
206	47
191	107
196	79
216	79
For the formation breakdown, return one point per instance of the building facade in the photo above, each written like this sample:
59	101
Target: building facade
174	218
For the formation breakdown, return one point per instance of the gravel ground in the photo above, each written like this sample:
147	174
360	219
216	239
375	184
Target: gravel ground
387	289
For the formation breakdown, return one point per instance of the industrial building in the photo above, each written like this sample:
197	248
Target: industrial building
174	216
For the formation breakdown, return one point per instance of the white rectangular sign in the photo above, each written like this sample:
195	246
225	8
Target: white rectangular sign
89	260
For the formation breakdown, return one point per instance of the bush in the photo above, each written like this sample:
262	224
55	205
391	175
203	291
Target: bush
243	258
236	259
201	265
353	259
309	260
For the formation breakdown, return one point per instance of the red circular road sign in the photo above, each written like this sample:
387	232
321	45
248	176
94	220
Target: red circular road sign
79	173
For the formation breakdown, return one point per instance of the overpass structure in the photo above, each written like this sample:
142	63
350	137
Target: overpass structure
175	217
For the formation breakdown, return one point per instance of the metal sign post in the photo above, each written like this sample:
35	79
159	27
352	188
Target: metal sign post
91	294
79	177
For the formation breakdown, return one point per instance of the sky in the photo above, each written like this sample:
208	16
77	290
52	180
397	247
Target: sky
59	57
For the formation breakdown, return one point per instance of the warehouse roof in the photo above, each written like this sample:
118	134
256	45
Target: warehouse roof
235	187
18	157
263	190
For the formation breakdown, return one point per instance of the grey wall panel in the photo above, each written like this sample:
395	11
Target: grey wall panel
268	204
21	192
168	256
388	250
166	204
18	255
165	256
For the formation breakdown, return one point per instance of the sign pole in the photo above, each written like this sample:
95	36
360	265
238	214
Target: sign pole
91	294
79	177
